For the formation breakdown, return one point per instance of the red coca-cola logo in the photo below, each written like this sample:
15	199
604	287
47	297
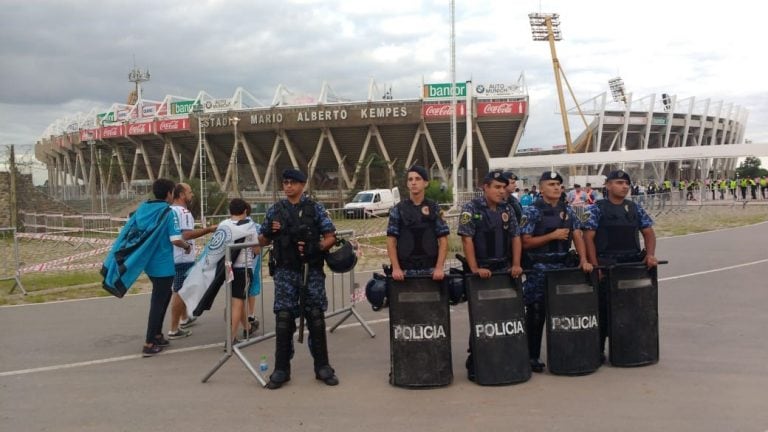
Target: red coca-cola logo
500	108
437	110
172	125
138	129
504	108
112	131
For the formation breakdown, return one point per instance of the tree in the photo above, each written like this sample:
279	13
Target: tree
439	191
751	167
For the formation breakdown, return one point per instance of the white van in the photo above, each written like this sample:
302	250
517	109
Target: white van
374	202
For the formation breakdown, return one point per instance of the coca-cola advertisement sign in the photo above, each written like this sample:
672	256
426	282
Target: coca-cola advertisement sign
501	109
90	135
432	111
140	128
175	125
112	131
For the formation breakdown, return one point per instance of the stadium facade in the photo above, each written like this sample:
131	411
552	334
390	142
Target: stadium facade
246	144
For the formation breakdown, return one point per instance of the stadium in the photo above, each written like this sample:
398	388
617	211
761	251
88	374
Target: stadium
350	145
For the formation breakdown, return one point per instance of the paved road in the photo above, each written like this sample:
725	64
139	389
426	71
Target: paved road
73	366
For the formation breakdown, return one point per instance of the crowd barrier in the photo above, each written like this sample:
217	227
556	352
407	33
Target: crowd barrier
341	289
9	253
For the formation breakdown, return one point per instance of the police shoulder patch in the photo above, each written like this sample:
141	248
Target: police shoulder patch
585	216
505	217
465	218
425	210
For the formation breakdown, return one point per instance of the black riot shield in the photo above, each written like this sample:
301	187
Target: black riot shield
419	333
633	315
573	331
497	331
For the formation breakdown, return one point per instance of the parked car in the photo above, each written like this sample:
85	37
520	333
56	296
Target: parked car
374	202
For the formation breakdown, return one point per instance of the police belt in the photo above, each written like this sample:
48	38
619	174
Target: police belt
536	258
621	257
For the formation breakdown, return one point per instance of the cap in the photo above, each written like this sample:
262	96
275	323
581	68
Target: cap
420	170
551	175
496	175
618	175
510	176
294	174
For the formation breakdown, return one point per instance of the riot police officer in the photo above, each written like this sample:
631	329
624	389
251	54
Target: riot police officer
489	235
611	235
512	200
417	236
300	231
547	229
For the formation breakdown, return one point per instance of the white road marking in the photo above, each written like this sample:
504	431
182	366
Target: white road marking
713	270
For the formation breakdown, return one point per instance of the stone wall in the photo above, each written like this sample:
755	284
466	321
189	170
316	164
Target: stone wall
28	198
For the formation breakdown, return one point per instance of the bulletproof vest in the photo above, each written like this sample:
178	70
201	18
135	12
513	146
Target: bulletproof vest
552	218
516	207
491	238
417	243
618	230
298	224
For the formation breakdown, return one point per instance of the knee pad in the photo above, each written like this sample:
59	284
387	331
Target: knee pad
316	316
285	321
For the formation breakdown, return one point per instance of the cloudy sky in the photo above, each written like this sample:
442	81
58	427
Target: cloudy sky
62	57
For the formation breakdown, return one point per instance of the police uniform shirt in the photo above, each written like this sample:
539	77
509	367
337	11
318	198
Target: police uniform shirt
593	214
532	216
186	223
472	214
395	220
322	218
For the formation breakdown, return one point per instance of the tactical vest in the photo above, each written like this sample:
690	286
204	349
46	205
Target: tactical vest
552	218
618	232
491	238
516	207
298	224
417	243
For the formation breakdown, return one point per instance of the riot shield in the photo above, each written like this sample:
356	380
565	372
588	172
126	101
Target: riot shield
497	331
573	331
419	333
633	315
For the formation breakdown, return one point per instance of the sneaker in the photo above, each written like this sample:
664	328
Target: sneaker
161	341
178	334
254	322
189	322
149	351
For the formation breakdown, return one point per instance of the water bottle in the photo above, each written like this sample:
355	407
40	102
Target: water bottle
263	365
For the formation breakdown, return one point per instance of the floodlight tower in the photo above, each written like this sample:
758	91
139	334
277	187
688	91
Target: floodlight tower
546	27
137	76
618	91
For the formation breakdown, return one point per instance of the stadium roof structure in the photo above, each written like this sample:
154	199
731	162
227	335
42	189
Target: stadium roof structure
244	144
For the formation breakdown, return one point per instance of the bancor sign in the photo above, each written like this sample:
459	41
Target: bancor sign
443	90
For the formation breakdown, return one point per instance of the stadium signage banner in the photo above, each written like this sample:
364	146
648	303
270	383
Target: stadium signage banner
443	91
90	134
140	128
176	125
217	105
497	90
441	110
108	117
113	131
501	109
151	109
182	107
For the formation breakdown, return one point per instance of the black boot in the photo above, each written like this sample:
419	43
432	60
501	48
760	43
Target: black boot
284	328
319	347
535	317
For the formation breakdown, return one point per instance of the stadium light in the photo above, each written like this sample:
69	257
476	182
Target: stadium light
546	27
618	91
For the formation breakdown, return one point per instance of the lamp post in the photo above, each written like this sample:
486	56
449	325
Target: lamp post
92	177
233	158
197	111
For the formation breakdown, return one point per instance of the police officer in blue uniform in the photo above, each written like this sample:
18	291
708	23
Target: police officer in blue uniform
489	235
300	231
512	200
417	235
547	229
612	235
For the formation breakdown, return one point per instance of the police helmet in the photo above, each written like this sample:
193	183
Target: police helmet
341	258
455	284
376	291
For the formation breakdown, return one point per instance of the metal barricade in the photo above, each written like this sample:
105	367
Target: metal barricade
9	255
